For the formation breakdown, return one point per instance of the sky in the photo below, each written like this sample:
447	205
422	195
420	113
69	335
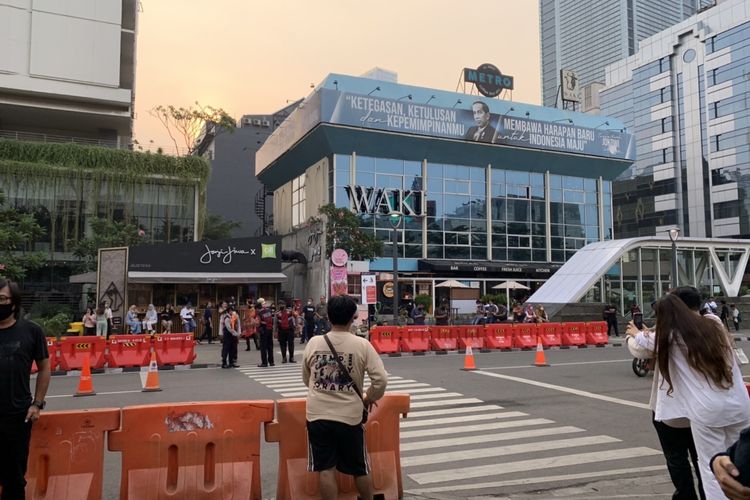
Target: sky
253	56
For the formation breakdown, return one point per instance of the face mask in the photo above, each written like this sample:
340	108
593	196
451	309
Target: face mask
6	310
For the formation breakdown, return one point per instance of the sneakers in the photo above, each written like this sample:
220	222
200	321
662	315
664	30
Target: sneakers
234	365
263	365
224	366
283	360
292	360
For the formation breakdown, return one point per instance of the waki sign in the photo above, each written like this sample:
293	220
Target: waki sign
370	200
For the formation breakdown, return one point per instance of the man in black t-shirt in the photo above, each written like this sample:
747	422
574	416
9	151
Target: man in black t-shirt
21	343
308	312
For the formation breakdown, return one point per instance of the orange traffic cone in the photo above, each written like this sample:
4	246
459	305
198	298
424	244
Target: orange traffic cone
469	364
539	359
85	384
152	379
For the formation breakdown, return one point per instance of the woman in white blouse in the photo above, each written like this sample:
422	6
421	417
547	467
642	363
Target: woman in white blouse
695	359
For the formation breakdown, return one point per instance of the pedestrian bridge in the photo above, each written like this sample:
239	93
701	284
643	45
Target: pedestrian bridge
639	270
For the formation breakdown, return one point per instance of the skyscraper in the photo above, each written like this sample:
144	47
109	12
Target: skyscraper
685	96
586	35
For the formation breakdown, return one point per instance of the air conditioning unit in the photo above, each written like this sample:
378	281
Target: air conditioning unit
247	121
256	122
266	123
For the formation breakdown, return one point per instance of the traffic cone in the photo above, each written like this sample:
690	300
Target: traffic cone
469	364
152	379
85	384
539	359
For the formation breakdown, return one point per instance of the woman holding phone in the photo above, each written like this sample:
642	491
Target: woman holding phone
696	361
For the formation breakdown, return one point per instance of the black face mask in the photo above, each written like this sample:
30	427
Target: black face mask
6	310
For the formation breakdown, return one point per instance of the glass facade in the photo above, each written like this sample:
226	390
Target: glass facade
64	207
482	213
688	104
587	35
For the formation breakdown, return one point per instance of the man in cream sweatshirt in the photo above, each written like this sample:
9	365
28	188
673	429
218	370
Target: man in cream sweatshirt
334	409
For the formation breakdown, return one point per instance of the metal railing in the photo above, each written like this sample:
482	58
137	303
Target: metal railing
59	139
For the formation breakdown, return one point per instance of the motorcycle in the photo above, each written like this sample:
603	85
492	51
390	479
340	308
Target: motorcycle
641	367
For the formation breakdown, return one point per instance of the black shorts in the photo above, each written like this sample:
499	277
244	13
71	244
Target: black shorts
335	444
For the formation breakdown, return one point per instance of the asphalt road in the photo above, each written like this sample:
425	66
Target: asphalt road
579	428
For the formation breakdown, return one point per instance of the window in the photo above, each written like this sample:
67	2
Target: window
710	44
713	110
716	143
663	94
712	77
298	200
666	125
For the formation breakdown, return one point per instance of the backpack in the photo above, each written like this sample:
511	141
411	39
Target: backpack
266	318
284	320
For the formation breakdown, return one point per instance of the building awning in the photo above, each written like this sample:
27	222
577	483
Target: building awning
198	278
84	278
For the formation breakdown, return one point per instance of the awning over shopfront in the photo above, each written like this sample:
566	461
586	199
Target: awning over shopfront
204	278
534	271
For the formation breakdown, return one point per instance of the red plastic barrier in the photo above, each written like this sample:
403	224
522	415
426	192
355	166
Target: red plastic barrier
550	334
471	336
128	350
444	338
574	334
525	335
385	339
208	450
174	349
415	339
66	454
73	349
596	333
498	336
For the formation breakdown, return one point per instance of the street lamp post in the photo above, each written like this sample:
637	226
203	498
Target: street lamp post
395	219
674	233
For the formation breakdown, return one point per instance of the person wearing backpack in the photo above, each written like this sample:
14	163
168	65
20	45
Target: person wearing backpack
285	323
230	335
265	330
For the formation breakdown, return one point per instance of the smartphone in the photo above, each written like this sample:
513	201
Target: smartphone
638	320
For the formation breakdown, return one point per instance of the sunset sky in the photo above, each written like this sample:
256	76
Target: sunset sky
251	56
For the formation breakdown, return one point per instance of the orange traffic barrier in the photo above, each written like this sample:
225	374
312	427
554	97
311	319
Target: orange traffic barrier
128	350
444	338
415	339
205	450
524	335
85	384
550	334
574	334
174	348
385	339
52	351
152	378
66	454
471	336
596	333
73	350
469	363
383	447
539	359
498	336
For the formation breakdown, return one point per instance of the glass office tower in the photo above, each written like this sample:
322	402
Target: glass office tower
685	96
587	35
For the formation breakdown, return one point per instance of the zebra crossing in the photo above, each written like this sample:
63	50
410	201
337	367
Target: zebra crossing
453	443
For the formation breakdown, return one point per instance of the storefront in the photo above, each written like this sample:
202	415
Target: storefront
195	273
486	190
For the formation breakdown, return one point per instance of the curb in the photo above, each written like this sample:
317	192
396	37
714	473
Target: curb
134	369
513	349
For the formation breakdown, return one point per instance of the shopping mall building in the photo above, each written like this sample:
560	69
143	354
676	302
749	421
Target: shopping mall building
490	190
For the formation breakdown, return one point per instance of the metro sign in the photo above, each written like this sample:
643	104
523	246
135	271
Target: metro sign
370	200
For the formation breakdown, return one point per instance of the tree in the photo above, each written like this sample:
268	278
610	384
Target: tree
106	234
18	231
216	227
184	125
343	227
